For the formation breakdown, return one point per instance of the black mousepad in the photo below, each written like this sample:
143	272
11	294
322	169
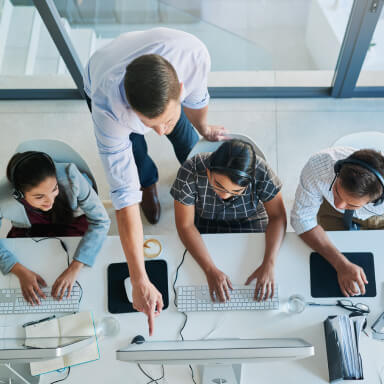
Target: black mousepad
324	277
117	299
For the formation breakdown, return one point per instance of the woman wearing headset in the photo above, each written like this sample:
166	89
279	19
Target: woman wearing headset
230	190
46	199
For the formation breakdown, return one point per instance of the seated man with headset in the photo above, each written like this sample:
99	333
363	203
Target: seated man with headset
340	188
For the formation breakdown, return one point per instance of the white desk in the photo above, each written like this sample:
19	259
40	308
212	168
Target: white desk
238	255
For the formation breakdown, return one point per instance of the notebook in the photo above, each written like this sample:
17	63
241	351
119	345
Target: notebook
79	324
324	277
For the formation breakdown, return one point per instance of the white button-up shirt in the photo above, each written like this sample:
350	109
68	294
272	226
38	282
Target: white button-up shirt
114	120
315	180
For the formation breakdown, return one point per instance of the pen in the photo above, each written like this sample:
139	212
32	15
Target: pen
38	321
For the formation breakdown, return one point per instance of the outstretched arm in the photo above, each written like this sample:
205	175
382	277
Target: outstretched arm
146	298
274	235
218	282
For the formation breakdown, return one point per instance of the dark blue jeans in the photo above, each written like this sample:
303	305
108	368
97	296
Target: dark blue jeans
183	139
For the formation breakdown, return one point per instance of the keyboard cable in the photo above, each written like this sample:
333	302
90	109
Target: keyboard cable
64	246
185	315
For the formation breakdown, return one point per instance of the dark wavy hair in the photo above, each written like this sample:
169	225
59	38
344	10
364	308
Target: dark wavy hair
26	170
358	180
235	159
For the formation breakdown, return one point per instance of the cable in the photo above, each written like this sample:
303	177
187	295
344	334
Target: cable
185	315
152	380
176	277
64	378
64	246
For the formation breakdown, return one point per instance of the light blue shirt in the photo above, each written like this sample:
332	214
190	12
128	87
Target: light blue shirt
113	118
82	199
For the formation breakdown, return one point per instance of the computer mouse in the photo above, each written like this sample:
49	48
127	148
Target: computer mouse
138	340
358	293
128	289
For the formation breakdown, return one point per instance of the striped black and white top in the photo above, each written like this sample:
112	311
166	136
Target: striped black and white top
244	213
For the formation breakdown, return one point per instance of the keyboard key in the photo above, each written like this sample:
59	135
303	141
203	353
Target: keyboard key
12	301
197	299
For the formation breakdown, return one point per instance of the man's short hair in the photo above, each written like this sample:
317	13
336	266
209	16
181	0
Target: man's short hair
150	82
359	181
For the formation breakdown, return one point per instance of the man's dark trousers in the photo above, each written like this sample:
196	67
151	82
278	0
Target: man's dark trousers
183	138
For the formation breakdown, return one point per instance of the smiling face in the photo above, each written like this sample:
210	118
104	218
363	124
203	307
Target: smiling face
345	200
223	186
43	195
164	123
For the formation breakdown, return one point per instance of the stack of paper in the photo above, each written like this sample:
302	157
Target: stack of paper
343	341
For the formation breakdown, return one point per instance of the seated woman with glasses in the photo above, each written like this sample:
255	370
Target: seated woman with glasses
227	191
43	198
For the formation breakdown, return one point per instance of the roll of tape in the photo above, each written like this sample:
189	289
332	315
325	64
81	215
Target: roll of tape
152	248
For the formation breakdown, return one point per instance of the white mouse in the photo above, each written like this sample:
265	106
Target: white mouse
357	288
128	289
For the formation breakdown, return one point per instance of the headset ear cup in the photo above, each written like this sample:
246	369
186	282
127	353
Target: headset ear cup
18	195
337	166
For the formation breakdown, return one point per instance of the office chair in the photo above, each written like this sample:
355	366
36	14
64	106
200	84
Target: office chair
60	152
204	145
362	140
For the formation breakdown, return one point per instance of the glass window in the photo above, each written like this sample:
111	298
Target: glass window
28	56
372	72
251	42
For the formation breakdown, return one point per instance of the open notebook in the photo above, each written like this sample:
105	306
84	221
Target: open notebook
79	324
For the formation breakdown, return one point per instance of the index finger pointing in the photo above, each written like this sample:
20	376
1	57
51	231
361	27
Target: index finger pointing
151	321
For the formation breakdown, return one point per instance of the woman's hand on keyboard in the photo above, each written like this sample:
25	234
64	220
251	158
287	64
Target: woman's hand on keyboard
219	285
65	281
30	283
265	284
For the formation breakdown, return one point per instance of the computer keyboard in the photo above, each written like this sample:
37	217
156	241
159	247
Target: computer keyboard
13	302
197	299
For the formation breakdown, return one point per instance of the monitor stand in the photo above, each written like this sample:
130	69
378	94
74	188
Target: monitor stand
221	374
17	374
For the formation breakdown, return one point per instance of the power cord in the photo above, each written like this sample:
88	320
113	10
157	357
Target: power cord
185	315
152	380
64	246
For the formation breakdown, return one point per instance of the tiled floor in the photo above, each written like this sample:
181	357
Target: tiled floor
288	131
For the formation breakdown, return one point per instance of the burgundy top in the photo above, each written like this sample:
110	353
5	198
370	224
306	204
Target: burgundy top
42	225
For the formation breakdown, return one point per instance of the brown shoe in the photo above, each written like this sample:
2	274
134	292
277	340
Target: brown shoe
150	204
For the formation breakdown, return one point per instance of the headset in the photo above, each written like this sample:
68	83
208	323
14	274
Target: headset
350	160
17	194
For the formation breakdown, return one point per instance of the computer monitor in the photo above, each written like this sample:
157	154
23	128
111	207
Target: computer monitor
17	353
221	359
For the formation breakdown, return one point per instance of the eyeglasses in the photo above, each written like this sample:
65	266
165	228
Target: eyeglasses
359	308
222	189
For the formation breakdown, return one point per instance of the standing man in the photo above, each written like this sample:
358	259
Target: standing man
340	188
154	79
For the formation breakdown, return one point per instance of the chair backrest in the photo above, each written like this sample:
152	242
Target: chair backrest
60	153
362	140
204	145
